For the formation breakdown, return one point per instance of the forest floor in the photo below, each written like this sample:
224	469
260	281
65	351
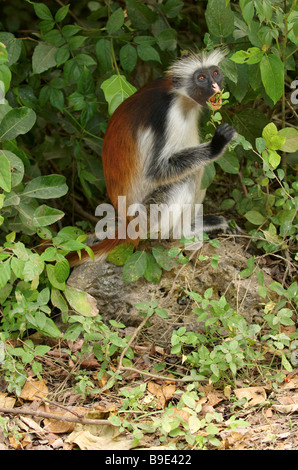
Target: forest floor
28	422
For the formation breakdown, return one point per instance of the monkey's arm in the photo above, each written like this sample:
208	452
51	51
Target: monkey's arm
188	160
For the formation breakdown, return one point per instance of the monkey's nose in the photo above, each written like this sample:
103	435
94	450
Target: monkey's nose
215	87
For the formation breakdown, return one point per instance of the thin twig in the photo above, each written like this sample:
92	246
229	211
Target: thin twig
136	332
43	414
49	402
162	377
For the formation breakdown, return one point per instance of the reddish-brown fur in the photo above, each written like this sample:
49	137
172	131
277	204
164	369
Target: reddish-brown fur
120	166
119	155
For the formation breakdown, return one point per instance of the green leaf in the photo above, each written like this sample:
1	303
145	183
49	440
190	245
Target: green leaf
5	76
269	131
71	245
116	89
147	53
274	159
248	12
81	302
291	136
84	59
116	21
172	8
249	123
61	13
62	55
272	74
15	122
13	47
250	267
163	259
166	39
49	254
33	267
120	254
254	217
56	98
253	55
43	296
45	215
229	163
260	144
3	54
5	272
262	291
46	187
52	278
227	204
44	57
62	270
5	172
42	11
58	301
17	266
134	267
220	18
50	328
103	54
140	15
153	271
208	176
20	251
128	57
41	349
16	165
142	306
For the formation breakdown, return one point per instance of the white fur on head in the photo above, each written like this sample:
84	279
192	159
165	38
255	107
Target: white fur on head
185	67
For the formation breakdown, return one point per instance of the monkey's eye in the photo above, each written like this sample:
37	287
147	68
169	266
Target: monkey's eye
215	73
201	78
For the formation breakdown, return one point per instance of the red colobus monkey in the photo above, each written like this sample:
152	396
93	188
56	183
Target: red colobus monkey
152	151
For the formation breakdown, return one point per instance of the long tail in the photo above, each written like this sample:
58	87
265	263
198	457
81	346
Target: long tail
100	250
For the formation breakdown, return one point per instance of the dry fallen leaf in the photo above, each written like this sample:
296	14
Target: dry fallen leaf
58	426
288	400
87	441
253	395
291	384
156	390
169	390
183	414
34	389
16	444
26	440
32	425
286	408
163	393
6	402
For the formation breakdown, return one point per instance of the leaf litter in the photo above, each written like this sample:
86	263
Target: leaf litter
54	412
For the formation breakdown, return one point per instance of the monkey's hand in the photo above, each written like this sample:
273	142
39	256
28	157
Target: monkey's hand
222	137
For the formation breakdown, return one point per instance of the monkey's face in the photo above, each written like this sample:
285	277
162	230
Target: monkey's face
205	87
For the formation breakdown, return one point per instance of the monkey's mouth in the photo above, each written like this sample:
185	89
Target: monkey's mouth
215	101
